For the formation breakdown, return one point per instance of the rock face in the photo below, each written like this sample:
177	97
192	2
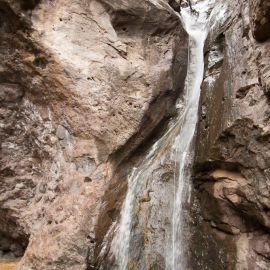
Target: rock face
260	19
86	87
82	85
233	150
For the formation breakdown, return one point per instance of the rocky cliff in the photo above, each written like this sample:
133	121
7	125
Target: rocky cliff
83	85
233	150
86	87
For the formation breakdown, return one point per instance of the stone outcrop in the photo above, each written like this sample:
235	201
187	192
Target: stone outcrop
82	85
232	164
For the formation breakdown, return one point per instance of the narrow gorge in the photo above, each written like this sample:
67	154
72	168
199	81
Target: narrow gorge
135	135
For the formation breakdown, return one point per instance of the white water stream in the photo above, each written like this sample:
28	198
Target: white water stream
196	27
179	137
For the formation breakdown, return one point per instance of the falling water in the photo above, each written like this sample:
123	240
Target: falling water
121	241
177	139
196	27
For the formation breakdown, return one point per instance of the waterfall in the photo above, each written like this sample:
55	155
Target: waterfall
178	139
196	27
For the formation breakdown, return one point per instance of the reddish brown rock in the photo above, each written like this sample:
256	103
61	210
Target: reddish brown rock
83	84
232	164
85	89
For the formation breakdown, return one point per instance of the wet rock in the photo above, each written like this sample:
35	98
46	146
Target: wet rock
85	89
232	161
175	5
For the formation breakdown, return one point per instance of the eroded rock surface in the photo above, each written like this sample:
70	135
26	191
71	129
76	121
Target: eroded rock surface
260	19
86	87
82	85
233	150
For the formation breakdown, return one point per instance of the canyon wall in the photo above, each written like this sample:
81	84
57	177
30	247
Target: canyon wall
232	166
83	84
86	87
